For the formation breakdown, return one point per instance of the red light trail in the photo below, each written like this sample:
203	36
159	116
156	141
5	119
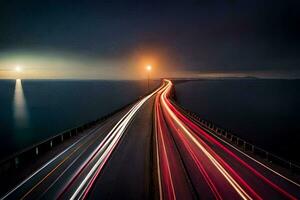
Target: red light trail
213	169
190	161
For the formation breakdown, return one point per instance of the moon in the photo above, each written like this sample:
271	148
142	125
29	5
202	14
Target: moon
18	68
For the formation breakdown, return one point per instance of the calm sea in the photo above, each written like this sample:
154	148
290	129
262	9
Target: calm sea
33	110
264	112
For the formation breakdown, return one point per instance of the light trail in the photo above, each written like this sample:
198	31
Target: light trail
227	176
234	184
276	187
191	162
71	164
60	164
100	147
48	164
157	157
106	147
251	158
189	136
165	165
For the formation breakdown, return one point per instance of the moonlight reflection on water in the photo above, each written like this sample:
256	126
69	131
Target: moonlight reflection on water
20	111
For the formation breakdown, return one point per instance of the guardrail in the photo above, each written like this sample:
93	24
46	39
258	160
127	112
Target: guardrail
237	141
36	150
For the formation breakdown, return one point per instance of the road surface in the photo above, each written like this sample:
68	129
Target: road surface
72	173
152	150
128	174
195	163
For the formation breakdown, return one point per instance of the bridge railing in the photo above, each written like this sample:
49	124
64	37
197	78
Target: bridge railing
34	151
237	141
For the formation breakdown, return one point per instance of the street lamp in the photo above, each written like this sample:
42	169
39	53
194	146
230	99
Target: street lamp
149	68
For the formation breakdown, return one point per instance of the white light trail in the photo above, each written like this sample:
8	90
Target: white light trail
107	146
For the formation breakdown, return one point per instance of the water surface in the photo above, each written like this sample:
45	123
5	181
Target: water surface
264	112
33	110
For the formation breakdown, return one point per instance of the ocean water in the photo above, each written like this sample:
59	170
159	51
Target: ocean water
263	112
33	110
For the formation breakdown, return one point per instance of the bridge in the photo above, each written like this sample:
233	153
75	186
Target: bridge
151	149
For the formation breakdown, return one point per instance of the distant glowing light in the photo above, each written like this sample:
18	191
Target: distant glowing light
149	67
18	68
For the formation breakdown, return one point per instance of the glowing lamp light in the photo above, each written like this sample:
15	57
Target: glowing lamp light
149	67
18	69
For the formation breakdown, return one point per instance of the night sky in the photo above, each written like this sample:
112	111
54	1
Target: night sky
181	36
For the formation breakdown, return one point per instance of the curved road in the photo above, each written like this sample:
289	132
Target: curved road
72	173
151	150
207	166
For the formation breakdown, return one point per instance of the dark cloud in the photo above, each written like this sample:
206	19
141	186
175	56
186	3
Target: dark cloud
212	35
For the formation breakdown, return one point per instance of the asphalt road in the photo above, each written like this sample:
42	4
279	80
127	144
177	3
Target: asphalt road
152	150
128	173
71	173
214	168
46	181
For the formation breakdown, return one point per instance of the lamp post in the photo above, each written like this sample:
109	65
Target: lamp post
149	68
